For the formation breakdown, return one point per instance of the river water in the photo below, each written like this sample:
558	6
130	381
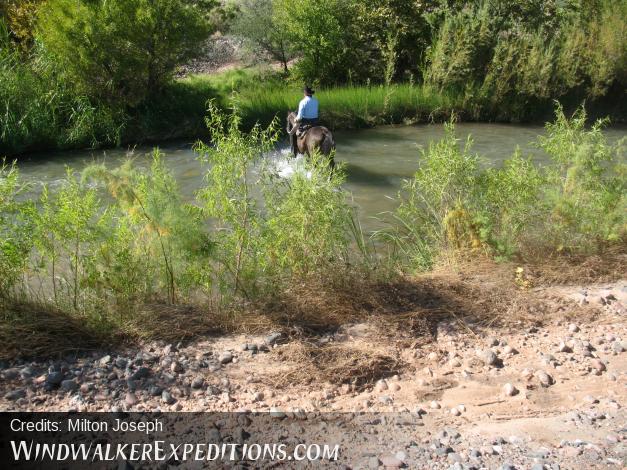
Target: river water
377	159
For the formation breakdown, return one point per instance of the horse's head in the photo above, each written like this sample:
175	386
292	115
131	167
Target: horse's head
291	121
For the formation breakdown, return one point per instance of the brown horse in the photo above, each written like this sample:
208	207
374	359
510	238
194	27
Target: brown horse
316	138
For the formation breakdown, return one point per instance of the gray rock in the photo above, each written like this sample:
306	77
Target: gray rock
373	463
54	378
273	338
141	373
545	379
225	357
15	394
277	413
198	382
167	398
69	385
121	362
617	347
488	357
26	372
155	391
10	374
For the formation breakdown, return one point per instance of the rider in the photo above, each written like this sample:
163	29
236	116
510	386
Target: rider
306	117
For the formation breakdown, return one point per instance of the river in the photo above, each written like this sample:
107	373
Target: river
377	159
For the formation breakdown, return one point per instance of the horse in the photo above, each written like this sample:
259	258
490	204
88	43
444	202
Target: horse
316	138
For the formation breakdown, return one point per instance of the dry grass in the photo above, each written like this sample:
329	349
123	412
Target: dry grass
405	311
33	330
358	364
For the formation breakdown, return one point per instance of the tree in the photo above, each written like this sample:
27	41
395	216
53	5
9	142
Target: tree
122	51
257	25
320	31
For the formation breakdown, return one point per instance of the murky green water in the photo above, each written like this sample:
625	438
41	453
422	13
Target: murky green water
377	159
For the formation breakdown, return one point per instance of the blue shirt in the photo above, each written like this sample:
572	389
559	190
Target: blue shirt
307	108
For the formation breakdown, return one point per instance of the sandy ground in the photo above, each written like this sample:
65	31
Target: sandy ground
549	396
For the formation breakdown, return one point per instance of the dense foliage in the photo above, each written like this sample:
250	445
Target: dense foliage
577	204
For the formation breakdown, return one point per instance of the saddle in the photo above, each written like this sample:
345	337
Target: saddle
303	129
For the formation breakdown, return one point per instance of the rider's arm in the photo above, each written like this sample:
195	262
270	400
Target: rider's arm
301	108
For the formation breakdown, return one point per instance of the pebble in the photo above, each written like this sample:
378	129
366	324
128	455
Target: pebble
140	373
198	382
105	360
455	412
277	413
15	394
510	390
545	379
390	461
257	396
564	348
598	365
488	357
167	398
176	367
381	385
54	378
225	357
434	405
130	399
69	385
573	328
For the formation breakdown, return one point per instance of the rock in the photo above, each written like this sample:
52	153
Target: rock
453	457
617	347
130	399
277	413
545	379
105	360
488	357
225	357
69	385
15	394
385	399
395	387
167	398
390	461
140	373
257	396
373	463
598	365
510	390
492	341
507	466
54	378
564	348
381	385
455	411
176	367
434	405
509	350
273	339
432	356
121	363
573	328
198	382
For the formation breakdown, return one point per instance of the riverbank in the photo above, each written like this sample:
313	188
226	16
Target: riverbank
492	372
179	111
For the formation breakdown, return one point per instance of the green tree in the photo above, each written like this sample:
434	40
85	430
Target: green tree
257	24
121	51
320	31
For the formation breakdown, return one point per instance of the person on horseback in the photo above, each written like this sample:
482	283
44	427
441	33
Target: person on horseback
306	118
